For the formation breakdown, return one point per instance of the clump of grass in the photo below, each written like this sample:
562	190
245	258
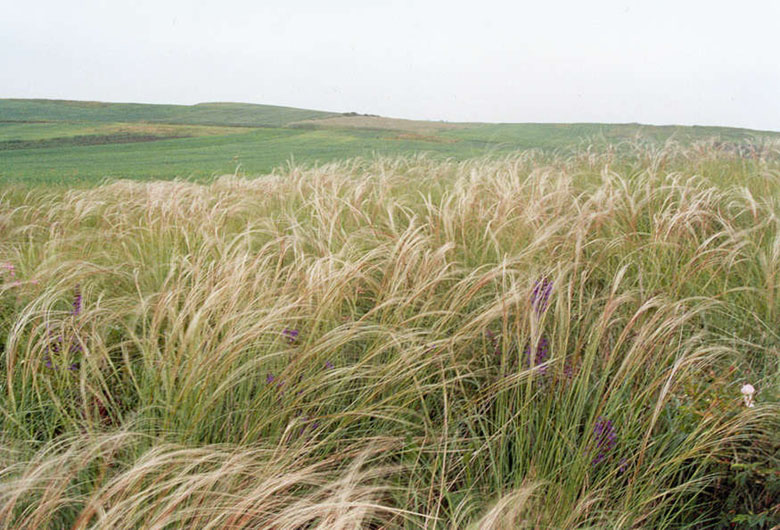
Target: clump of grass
533	341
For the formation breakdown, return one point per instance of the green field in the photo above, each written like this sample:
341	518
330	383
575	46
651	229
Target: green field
81	143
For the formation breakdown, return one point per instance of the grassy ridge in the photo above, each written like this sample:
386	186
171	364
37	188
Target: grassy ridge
80	143
538	341
229	114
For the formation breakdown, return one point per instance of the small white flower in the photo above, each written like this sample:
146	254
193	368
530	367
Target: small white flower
747	395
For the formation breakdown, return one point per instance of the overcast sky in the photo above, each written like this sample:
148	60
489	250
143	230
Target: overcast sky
710	62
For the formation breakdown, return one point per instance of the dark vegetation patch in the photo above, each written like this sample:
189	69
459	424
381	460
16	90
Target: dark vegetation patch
26	121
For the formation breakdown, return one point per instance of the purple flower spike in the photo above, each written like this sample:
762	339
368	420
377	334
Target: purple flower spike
290	334
539	356
50	364
606	438
269	378
540	296
328	365
77	302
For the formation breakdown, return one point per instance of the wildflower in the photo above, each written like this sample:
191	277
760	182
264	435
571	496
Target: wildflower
328	365
606	438
269	378
55	343
290	334
539	356
77	302
747	395
540	296
50	364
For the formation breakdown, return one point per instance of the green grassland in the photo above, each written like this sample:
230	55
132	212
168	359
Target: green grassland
244	316
534	340
233	114
80	143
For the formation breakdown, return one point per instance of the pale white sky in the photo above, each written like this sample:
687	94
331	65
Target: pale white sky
711	62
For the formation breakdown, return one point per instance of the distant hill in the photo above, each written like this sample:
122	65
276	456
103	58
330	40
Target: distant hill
225	114
82	142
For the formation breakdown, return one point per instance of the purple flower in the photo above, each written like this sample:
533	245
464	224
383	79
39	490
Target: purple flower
540	296
54	342
290	334
328	365
77	302
606	438
50	364
539	355
269	378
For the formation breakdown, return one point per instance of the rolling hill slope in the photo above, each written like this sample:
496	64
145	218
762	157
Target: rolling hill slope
81	142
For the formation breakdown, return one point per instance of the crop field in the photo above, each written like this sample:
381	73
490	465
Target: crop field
76	143
571	336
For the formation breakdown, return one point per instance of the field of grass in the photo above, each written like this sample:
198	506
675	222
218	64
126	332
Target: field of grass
539	340
74	143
